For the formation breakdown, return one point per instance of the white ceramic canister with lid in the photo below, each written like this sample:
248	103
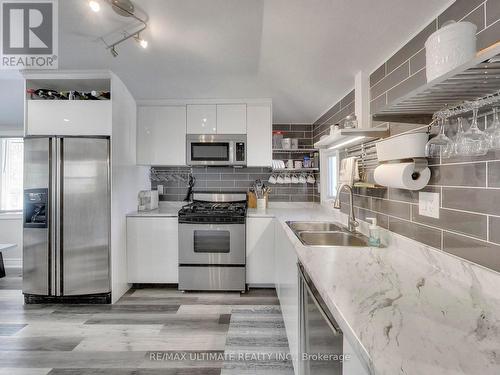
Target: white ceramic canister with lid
452	45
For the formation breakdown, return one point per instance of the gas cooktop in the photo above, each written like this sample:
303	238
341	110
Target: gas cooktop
214	208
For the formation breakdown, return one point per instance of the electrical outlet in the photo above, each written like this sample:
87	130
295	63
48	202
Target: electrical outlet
428	204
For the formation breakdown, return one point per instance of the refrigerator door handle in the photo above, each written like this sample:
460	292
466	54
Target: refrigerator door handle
58	181
52	215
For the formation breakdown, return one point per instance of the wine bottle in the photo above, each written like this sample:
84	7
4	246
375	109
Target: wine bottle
101	95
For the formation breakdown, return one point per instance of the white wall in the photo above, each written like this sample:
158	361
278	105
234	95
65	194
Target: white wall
11	231
11	130
11	224
126	181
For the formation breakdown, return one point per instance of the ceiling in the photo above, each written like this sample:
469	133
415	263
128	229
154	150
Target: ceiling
301	53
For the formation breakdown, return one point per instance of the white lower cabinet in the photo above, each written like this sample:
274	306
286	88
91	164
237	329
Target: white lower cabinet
152	249
287	287
260	251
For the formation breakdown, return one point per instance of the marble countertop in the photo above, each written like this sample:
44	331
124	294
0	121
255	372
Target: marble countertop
165	209
405	308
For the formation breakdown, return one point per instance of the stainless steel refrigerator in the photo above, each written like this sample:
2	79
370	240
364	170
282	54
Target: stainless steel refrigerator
66	236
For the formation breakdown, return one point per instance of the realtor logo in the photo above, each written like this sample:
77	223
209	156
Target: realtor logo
28	34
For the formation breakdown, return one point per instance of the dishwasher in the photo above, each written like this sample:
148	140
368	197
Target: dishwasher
320	337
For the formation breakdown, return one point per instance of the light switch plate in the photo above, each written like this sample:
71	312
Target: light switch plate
428	204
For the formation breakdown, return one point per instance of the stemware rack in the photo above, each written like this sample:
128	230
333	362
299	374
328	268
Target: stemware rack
452	94
295	169
295	150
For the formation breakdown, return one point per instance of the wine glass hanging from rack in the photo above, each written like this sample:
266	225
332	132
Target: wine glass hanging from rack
473	141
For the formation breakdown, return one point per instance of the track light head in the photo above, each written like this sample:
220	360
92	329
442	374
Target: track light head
94	5
113	51
142	42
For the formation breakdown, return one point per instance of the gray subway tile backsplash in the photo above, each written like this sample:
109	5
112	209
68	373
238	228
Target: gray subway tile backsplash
494	174
481	252
348	99
469	223
382	220
410	48
391	80
494	229
488	36
241	179
392	208
477	18
463	222
417	62
410	196
377	75
458	10
427	235
334	109
492	11
406	86
485	201
378	103
459	175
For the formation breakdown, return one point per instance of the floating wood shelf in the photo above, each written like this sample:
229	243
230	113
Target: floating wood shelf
471	81
368	185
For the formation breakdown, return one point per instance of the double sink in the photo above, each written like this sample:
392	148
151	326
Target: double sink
323	233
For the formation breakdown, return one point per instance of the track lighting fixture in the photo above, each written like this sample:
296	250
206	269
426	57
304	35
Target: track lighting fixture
124	8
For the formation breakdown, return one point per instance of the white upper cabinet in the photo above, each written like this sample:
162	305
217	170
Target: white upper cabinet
162	127
202	119
231	118
68	117
259	135
161	135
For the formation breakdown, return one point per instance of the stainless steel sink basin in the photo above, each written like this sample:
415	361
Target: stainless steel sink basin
314	226
332	239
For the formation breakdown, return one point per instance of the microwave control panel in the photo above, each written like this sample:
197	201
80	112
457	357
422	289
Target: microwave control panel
240	151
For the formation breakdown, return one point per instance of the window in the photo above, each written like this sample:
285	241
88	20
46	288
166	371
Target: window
11	177
329	174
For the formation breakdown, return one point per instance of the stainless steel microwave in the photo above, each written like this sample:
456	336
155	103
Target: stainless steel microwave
216	149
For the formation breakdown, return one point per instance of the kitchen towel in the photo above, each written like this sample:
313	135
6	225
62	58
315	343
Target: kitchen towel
402	176
348	172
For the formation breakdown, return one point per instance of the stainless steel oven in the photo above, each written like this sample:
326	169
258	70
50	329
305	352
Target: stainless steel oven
212	243
216	149
321	339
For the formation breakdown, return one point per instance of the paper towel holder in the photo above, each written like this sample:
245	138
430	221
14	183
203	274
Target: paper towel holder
420	165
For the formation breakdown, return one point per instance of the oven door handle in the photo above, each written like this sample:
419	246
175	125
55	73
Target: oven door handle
333	326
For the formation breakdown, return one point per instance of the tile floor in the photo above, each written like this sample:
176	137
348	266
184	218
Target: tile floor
149	331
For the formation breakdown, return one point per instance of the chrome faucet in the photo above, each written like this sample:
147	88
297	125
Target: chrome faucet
352	223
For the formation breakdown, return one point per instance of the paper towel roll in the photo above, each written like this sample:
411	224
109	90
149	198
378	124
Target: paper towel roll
400	175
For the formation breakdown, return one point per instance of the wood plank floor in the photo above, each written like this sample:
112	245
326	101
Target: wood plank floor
149	331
